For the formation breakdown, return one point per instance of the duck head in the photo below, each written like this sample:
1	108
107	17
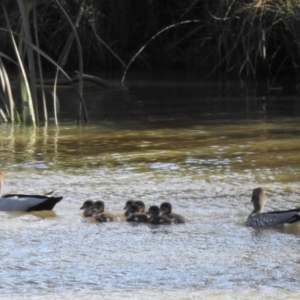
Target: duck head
137	204
141	205
153	211
87	207
133	209
165	208
98	207
87	204
128	203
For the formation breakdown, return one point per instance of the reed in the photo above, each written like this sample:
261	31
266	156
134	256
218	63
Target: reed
245	39
25	45
152	39
6	95
254	39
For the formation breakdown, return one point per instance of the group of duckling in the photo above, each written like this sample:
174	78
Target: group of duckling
135	211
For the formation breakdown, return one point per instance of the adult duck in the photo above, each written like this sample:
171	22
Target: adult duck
23	202
155	218
259	219
166	210
99	213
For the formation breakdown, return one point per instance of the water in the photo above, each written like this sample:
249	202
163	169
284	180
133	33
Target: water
202	158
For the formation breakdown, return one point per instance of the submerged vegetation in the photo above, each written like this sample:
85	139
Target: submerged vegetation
250	39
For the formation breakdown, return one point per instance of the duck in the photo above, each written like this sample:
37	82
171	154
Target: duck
166	210
87	207
139	203
99	213
26	203
279	218
135	215
98	207
155	218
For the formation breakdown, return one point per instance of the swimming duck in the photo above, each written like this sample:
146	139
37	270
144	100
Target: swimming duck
166	210
135	215
105	217
98	207
258	218
99	213
128	203
87	207
22	202
155	218
139	203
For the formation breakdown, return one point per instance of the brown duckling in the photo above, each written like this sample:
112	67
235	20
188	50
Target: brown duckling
166	210
155	218
135	215
87	207
99	213
139	203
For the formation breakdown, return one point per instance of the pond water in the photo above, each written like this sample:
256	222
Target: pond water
194	152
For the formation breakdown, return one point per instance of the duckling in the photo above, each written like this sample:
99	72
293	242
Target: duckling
105	217
98	207
128	203
139	203
134	214
166	210
87	207
258	218
99	213
155	218
126	207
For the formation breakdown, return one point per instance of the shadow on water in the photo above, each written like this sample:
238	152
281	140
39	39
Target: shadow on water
183	98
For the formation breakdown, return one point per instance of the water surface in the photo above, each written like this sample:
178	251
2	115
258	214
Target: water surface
202	158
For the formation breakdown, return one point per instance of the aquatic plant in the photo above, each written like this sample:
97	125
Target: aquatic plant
25	46
255	39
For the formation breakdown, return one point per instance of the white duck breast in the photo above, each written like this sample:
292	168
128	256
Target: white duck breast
20	202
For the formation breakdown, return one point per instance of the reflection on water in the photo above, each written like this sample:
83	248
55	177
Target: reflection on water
268	149
205	164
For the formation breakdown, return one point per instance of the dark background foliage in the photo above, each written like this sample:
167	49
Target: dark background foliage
227	37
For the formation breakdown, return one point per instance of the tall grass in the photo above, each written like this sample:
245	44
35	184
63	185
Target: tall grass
28	52
255	39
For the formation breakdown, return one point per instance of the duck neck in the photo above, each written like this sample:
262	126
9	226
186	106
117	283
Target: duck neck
258	208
